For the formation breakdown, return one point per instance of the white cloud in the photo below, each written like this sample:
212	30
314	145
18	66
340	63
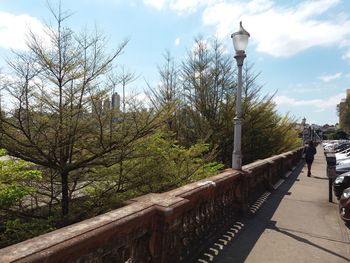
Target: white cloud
328	78
278	31
139	99
14	28
158	4
312	87
318	104
346	55
179	6
177	41
183	6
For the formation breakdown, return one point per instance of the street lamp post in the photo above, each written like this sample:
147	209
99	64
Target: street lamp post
240	42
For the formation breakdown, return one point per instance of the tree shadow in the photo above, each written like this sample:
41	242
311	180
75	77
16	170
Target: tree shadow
238	250
320	178
306	241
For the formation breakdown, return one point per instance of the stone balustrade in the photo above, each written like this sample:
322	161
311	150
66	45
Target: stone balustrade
170	227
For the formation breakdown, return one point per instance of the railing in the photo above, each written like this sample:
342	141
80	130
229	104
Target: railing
169	227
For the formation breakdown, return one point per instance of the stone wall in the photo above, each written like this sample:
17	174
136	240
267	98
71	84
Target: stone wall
169	227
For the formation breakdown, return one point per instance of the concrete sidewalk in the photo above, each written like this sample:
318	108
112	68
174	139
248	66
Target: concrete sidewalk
295	224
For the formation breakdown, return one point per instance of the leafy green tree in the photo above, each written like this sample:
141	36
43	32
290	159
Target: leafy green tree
17	221
17	230
61	118
14	175
158	164
340	135
205	99
344	114
162	164
265	132
208	82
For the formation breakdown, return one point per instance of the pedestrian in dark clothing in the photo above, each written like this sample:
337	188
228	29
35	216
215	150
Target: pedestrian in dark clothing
309	152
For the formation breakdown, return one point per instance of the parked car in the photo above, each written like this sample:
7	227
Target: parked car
343	161
342	157
340	183
344	205
345	152
330	146
342	168
341	147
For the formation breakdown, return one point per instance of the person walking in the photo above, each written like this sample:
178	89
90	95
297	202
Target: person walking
309	152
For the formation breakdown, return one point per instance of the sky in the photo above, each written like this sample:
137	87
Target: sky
300	48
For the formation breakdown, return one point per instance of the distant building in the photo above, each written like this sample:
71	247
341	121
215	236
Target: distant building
342	108
116	101
99	106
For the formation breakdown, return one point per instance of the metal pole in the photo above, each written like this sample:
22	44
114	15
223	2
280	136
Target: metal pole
237	154
330	193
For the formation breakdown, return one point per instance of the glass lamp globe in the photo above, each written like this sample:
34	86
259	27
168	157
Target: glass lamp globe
240	39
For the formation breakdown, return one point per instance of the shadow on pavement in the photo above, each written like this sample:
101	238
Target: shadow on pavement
239	249
320	178
287	232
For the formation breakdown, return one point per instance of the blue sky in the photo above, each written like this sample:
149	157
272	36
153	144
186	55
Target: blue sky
301	48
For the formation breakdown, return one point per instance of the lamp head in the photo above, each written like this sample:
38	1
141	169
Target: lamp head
240	39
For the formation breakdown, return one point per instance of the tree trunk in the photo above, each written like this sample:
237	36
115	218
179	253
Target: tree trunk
65	197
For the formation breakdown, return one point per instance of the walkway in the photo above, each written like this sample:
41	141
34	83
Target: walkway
295	224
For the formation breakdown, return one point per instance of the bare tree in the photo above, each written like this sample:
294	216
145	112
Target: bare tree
167	91
167	94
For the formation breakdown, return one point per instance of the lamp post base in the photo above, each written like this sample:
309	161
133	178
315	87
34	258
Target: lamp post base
237	161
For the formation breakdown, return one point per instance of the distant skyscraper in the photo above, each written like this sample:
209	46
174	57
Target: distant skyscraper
116	101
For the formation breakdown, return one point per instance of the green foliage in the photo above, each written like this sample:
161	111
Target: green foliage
14	174
162	164
336	135
12	194
108	156
17	230
3	152
16	178
344	115
157	164
205	98
66	124
265	133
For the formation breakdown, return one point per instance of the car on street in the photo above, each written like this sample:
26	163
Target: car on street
341	182
343	153
343	161
344	205
342	157
341	147
342	168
